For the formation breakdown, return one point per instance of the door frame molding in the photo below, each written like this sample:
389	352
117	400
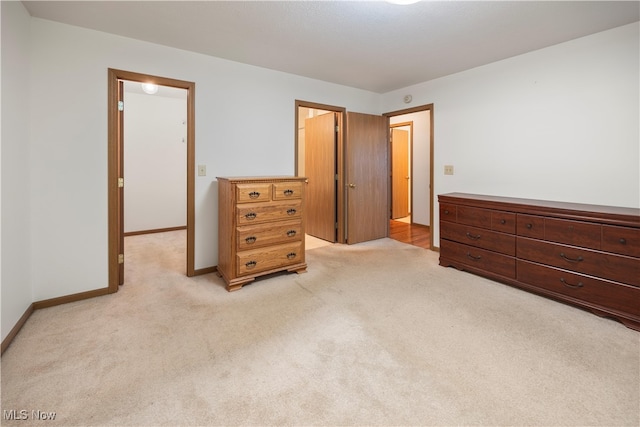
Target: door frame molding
429	108
397	125
113	147
340	196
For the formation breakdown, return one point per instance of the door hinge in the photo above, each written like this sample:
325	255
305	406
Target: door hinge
337	128
336	177
336	225
120	182
120	258
120	105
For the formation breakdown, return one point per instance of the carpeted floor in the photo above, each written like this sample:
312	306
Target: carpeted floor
374	334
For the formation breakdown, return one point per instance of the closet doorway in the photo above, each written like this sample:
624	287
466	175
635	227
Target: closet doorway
117	179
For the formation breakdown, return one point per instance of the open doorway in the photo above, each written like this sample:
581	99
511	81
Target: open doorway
116	177
415	227
319	159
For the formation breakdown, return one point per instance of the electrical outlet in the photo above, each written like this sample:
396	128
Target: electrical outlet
448	169
202	170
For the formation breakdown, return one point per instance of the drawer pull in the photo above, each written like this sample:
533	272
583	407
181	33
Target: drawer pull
254	194
291	255
529	226
569	285
251	215
251	239
288	192
291	233
623	241
251	264
472	237
503	221
475	258
291	211
446	212
563	256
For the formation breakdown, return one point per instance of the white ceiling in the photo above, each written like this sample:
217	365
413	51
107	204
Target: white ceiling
372	45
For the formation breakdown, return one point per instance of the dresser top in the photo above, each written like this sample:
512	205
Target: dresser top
259	178
600	213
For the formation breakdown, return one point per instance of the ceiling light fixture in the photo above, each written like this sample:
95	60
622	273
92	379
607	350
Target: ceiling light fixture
403	2
149	88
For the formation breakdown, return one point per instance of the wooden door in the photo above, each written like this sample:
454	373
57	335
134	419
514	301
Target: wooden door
320	170
367	177
399	173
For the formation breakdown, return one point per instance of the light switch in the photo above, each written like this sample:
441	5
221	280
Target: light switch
448	169
202	170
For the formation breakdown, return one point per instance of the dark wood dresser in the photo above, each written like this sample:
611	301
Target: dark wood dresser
585	255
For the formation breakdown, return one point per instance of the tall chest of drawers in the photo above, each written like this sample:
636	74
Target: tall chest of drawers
585	255
260	227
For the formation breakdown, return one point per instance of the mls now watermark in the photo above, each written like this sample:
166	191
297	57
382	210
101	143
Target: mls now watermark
23	415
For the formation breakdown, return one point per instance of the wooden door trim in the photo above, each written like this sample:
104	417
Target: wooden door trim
340	205
429	108
112	173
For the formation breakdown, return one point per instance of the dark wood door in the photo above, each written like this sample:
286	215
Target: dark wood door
320	170
399	173
367	177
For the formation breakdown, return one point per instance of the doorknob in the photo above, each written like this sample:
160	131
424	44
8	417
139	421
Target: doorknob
352	186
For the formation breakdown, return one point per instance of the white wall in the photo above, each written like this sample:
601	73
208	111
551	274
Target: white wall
15	276
561	123
421	163
244	126
155	160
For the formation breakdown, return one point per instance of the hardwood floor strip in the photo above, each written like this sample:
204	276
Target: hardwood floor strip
413	234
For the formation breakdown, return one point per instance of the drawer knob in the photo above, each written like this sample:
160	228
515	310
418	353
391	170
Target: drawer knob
291	211
529	226
291	255
569	285
475	258
254	194
446	212
291	233
623	241
251	264
566	258
251	239
472	237
288	192
503	221
251	215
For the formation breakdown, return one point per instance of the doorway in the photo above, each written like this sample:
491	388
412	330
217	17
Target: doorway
418	121
116	178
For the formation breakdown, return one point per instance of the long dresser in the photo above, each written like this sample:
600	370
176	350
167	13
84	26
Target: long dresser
261	227
585	255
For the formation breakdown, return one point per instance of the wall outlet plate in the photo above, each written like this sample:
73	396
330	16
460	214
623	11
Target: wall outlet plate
448	169
202	170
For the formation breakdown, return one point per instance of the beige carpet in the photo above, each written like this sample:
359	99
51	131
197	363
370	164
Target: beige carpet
373	334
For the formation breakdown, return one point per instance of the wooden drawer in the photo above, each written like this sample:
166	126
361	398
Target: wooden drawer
287	190
500	264
577	233
600	264
478	237
504	222
474	216
621	240
264	212
601	293
252	236
448	212
269	258
253	192
530	226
